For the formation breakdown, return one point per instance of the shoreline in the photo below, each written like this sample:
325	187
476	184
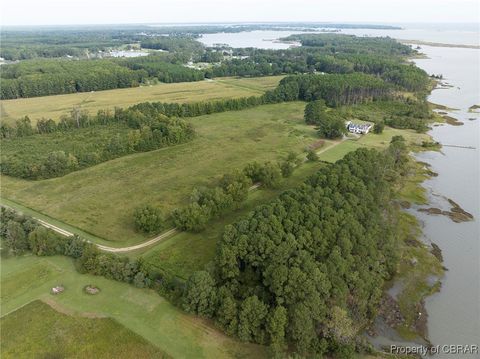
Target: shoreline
438	44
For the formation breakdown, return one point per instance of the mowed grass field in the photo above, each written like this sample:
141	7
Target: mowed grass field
55	106
141	322
38	331
101	199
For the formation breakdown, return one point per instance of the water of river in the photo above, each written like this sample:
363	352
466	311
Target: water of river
454	313
260	39
466	34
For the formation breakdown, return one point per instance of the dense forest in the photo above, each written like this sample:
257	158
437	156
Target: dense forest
306	271
334	89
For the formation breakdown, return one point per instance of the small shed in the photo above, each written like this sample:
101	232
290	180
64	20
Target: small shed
58	289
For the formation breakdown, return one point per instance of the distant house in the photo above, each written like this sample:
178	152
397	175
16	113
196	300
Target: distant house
359	128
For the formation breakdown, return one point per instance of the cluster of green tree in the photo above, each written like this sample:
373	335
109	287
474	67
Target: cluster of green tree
232	191
329	124
335	89
306	272
160	68
209	203
148	219
21	44
201	108
186	44
81	141
398	112
338	43
51	77
21	233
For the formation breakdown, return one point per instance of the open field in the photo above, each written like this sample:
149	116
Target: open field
141	311
55	106
100	199
37	330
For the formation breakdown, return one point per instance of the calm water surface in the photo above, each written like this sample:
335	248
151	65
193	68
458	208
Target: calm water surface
259	39
454	313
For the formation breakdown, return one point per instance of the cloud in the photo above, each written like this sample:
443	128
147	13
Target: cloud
48	12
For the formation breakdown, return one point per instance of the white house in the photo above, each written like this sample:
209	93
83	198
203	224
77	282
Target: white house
359	128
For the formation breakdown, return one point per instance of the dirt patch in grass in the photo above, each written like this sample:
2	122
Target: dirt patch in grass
64	310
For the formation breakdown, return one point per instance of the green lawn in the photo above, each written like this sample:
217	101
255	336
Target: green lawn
38	331
372	140
55	106
101	199
136	312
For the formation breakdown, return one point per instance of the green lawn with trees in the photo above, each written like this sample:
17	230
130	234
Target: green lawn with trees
103	198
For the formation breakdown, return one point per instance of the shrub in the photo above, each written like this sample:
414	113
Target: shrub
378	127
312	156
148	219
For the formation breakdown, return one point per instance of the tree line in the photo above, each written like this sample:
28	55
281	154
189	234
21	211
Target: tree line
306	271
79	141
209	203
21	233
45	77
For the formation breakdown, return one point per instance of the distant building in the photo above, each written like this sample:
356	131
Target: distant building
359	128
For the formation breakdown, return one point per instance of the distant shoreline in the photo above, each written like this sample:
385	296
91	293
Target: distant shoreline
438	44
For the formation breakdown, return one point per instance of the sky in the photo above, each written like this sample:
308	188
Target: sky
71	12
